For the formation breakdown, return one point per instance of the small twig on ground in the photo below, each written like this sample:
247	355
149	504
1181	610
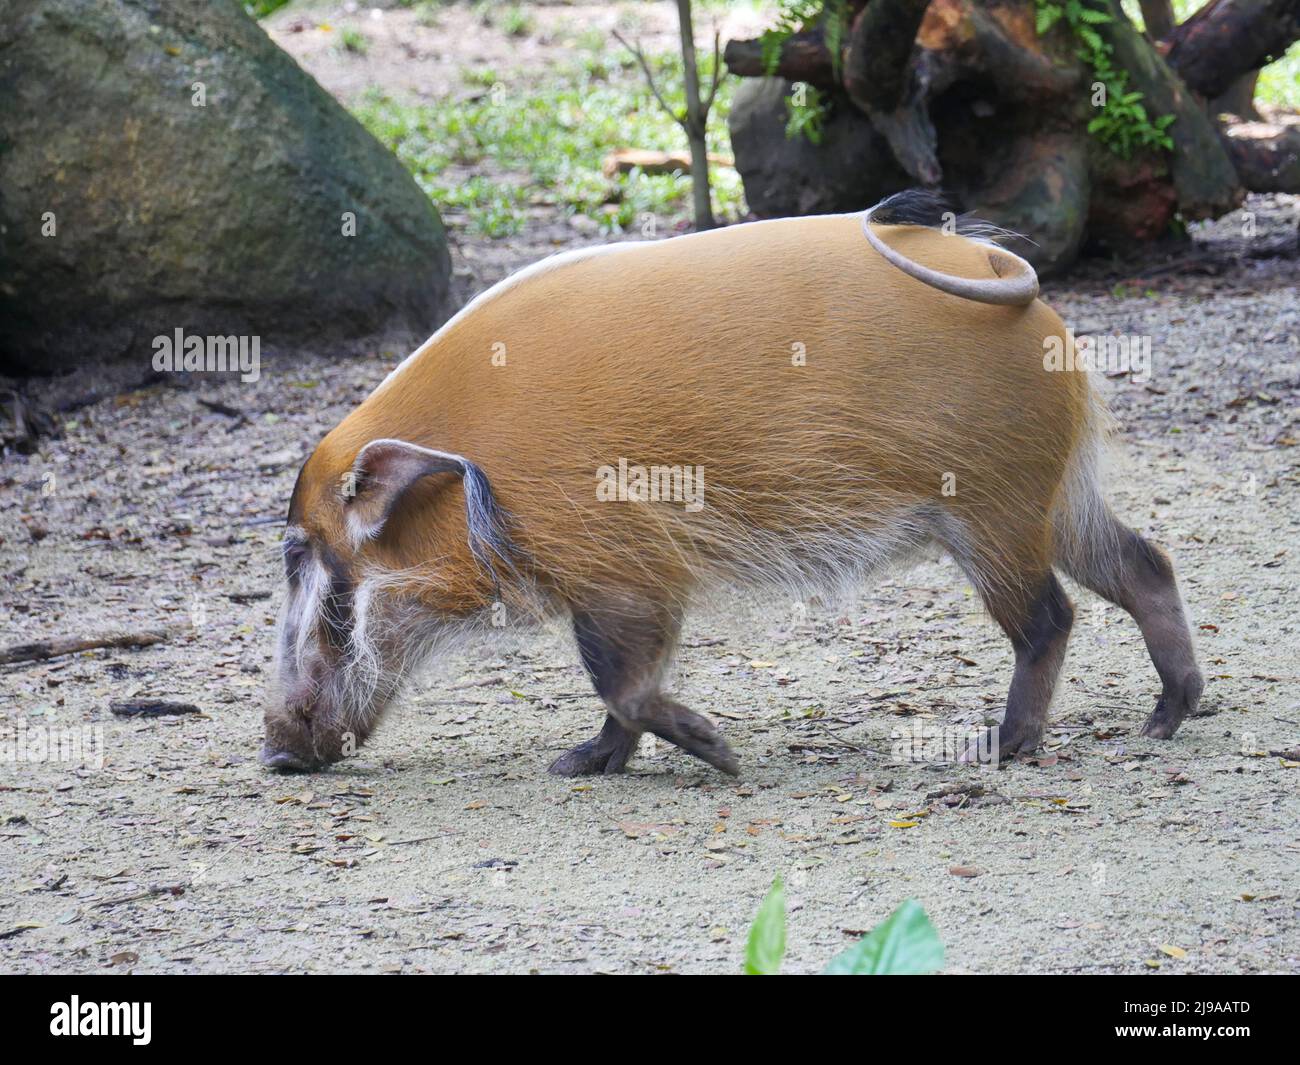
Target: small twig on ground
148	893
68	645
217	407
151	707
420	839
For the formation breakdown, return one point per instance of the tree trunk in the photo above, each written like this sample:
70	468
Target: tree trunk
1204	179
875	62
1157	17
696	119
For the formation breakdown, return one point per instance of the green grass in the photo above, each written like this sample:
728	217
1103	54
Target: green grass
516	22
354	41
1279	83
519	144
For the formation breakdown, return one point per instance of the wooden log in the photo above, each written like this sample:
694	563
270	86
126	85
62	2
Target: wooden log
68	645
649	161
1266	154
1228	38
804	57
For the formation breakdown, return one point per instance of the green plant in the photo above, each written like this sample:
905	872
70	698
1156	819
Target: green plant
903	944
792	16
765	946
484	77
428	13
1122	123
808	110
516	22
354	41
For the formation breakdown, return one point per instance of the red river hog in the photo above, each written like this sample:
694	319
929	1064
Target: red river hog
614	430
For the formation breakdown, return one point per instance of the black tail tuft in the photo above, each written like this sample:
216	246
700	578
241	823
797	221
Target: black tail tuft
914	207
932	209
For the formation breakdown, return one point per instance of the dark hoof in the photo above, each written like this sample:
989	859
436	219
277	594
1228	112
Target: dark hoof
1007	742
727	761
696	735
720	756
1163	723
1175	704
593	758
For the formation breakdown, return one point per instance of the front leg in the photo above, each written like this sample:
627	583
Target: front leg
607	753
607	662
625	647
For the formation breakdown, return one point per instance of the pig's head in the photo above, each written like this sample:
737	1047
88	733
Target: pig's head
388	556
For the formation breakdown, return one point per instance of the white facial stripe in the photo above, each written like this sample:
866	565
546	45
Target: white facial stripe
361	618
307	605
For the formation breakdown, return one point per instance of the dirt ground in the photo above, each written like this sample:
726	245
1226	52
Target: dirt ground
446	847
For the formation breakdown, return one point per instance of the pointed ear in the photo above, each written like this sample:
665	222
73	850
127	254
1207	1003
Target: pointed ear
382	472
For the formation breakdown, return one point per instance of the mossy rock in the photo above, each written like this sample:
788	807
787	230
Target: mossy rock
164	165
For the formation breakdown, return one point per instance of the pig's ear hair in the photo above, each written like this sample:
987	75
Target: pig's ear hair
385	469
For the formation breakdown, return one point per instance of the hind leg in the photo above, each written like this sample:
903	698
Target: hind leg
625	651
1009	562
1038	624
1131	572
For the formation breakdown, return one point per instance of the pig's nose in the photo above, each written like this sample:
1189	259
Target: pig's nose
285	761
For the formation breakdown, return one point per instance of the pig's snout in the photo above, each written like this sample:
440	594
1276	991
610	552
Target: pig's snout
290	744
304	739
285	761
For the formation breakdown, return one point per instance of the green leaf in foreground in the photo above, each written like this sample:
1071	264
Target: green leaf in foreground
766	946
904	944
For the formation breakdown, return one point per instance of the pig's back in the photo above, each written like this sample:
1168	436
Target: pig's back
702	316
814	383
762	337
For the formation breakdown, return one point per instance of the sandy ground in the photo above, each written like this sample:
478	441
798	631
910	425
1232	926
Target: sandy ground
446	847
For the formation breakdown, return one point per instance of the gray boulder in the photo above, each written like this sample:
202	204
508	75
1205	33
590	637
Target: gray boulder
164	166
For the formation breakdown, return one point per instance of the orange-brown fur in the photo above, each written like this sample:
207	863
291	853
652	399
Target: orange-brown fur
914	416
628	354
